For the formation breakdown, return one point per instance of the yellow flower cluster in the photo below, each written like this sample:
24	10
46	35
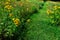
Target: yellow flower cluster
56	7
54	15
16	21
8	6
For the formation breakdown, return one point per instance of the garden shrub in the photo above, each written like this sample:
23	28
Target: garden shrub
13	15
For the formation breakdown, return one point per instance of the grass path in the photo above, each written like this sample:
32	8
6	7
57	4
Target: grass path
39	28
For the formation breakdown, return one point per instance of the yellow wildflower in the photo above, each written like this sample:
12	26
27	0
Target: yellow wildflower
48	12
8	6
55	7
16	21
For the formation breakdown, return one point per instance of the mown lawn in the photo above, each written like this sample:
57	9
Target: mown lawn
39	29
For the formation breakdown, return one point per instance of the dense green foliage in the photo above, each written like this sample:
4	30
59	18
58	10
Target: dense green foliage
29	20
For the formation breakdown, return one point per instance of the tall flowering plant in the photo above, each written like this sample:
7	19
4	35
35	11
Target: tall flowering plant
9	19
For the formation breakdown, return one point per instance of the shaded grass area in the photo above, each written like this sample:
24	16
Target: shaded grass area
39	29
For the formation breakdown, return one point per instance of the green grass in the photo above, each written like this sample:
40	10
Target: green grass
38	28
